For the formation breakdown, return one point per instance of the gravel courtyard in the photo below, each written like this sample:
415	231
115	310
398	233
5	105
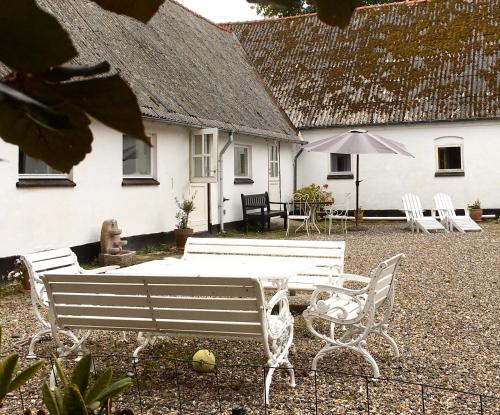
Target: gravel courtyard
446	322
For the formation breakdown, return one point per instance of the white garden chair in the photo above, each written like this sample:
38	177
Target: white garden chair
415	216
299	210
38	263
448	217
340	212
360	311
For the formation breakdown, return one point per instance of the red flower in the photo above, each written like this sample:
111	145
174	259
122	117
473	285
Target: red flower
325	186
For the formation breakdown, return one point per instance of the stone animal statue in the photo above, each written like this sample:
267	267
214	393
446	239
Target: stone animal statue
110	238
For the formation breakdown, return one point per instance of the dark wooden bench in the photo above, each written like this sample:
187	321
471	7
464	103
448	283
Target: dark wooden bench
257	208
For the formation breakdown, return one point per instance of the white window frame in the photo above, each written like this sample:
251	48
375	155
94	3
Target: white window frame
338	172
61	176
446	142
249	161
276	162
153	139
213	177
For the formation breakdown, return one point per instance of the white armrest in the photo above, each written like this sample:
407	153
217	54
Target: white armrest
276	298
335	289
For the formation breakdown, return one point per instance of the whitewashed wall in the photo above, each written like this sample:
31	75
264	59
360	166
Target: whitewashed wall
387	177
33	219
259	173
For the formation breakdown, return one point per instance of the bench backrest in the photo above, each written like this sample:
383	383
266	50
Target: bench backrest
317	253
382	281
412	207
444	205
257	201
60	260
185	306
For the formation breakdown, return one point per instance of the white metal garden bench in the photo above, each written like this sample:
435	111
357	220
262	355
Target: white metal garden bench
59	260
415	216
360	311
448	217
323	260
196	306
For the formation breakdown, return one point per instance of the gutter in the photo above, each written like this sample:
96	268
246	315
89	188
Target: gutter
295	169
220	167
222	129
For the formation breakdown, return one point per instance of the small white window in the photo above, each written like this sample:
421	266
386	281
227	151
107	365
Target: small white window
449	158
137	157
242	161
33	168
203	156
340	163
274	161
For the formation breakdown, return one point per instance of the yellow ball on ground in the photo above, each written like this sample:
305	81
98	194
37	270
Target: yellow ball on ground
203	361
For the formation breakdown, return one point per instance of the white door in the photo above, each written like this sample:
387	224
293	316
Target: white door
274	173
199	217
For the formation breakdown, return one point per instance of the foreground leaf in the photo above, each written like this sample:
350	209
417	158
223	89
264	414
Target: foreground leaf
114	105
81	372
114	389
7	368
100	385
331	12
61	148
25	376
141	10
32	39
73	401
49	400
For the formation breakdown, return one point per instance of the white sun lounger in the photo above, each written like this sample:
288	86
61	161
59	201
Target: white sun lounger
450	219
415	216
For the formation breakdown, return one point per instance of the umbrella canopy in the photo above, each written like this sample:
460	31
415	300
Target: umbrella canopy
358	142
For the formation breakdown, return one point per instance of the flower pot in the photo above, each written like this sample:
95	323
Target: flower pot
181	236
359	216
476	214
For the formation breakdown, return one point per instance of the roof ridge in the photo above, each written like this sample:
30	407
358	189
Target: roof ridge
300	16
199	15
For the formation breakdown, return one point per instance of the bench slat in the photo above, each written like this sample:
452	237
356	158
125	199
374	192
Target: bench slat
265	251
50	254
243	304
266	242
152	279
53	263
154	289
179	314
160	324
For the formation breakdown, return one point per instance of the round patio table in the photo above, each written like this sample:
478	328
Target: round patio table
315	208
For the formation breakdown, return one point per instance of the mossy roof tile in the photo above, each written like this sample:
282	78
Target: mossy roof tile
414	61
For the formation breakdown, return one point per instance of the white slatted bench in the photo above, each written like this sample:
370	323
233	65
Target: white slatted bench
53	260
317	261
196	306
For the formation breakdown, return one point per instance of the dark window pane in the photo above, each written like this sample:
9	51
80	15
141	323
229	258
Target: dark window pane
450	158
28	165
340	163
136	157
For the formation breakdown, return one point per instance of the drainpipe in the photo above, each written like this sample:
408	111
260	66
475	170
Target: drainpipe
295	169
221	181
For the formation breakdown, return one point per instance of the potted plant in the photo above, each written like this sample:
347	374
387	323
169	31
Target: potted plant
475	211
186	206
359	215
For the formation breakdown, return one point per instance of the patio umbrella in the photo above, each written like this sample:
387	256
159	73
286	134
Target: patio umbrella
357	142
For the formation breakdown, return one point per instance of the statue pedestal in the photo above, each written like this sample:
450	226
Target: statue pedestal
123	259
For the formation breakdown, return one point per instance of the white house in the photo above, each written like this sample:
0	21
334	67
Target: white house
424	73
210	118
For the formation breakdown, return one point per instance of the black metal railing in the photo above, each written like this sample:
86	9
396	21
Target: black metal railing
170	386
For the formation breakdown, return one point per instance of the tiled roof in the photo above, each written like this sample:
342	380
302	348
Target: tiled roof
183	68
418	61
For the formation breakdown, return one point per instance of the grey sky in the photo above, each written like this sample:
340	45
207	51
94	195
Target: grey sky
222	10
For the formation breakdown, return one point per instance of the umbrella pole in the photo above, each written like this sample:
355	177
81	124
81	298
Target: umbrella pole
357	190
